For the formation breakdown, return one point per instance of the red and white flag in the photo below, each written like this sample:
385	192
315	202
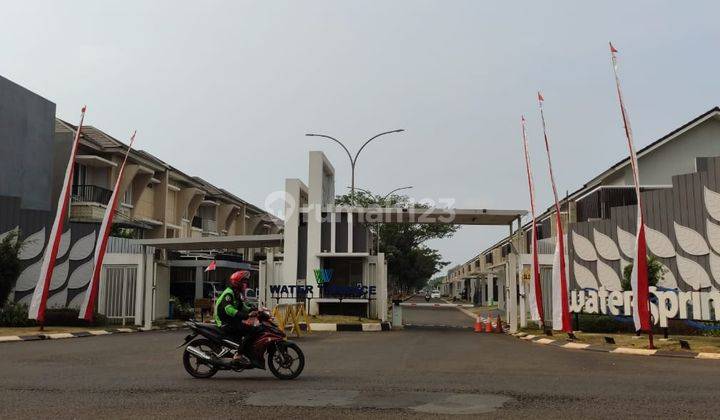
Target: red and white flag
639	276
560	299
536	306
42	288
88	305
211	267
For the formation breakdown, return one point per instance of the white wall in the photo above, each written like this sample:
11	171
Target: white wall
675	157
293	190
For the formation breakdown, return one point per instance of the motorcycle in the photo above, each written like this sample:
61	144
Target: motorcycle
215	351
427	297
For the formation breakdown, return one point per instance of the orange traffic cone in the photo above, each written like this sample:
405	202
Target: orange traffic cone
488	325
478	324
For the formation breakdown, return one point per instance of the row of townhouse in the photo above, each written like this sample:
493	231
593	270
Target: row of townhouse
156	202
156	199
691	150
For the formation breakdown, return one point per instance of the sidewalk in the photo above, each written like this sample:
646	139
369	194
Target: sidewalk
700	347
13	334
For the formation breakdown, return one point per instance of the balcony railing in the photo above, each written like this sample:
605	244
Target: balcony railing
209	225
90	194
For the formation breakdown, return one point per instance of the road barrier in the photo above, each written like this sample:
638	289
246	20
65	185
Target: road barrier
437	305
478	324
292	313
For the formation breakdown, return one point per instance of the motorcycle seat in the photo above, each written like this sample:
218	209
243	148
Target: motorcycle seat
210	327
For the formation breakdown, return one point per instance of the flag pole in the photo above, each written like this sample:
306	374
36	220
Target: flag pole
536	307
639	276
88	305
561	309
38	302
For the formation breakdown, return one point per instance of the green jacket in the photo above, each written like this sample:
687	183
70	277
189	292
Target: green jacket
229	308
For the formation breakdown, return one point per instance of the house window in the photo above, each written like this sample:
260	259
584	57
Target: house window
79	174
127	196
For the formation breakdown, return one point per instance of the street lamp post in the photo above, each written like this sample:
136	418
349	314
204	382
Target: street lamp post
353	160
377	227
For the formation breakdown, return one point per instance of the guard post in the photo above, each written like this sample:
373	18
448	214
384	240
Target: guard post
396	314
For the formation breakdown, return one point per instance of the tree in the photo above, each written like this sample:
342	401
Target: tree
655	273
435	282
411	263
9	264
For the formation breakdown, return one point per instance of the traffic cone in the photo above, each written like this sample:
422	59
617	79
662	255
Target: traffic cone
488	325
478	324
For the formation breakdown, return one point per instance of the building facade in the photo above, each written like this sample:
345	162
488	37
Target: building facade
680	181
157	200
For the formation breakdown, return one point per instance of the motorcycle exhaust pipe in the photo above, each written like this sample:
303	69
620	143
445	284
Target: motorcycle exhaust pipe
199	353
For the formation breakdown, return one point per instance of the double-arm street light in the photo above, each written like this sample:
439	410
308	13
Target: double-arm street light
353	160
377	226
386	195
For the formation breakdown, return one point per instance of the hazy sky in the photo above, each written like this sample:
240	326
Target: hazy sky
226	90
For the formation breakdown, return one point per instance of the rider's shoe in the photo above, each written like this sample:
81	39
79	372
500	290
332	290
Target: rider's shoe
241	360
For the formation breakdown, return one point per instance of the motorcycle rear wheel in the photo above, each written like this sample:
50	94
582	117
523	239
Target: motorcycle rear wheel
194	365
283	364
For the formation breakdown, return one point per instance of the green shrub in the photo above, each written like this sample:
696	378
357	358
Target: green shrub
182	310
68	317
9	264
602	324
16	315
654	269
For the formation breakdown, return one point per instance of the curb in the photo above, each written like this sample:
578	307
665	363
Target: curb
365	327
80	334
615	350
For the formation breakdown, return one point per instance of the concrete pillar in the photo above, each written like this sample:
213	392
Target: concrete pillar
148	285
523	300
266	277
512	298
199	277
502	292
490	294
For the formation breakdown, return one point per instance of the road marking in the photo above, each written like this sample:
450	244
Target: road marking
544	341
437	305
57	336
576	346
715	356
98	332
10	338
528	337
627	350
125	330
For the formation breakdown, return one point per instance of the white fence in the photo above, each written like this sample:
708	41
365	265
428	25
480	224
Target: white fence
119	293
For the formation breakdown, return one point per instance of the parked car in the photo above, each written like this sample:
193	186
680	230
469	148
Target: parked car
435	294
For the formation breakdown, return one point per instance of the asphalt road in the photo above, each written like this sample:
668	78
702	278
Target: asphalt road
413	373
423	316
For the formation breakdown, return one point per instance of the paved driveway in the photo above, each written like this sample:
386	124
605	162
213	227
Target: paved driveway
424	316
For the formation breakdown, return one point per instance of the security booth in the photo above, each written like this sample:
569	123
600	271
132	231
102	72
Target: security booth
156	282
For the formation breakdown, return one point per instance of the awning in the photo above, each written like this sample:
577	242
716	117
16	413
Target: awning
214	242
433	215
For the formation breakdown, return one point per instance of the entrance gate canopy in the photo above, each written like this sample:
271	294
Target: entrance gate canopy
214	242
485	217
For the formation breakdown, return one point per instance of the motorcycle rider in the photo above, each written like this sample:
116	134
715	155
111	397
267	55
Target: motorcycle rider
231	310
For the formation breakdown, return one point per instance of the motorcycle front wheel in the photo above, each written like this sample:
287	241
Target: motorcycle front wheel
286	360
197	367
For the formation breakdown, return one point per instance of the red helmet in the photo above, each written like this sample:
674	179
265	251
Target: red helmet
239	279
